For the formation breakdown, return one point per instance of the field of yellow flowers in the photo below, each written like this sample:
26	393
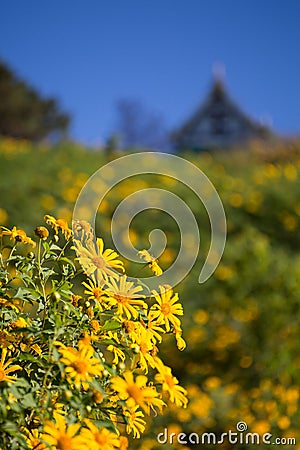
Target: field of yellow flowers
241	328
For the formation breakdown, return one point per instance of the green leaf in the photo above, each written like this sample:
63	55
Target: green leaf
111	325
28	401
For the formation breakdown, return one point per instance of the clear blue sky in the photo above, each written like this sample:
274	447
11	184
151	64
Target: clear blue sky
91	53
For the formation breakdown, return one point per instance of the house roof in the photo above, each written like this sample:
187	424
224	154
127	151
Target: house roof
217	122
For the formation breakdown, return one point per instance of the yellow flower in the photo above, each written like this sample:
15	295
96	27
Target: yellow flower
154	328
97	396
37	349
118	353
18	235
125	295
59	224
145	347
99	439
41	232
152	262
123	443
62	436
84	228
95	292
5	303
134	422
33	440
6	339
19	323
97	261
181	344
136	392
81	364
166	309
170	385
95	325
5	370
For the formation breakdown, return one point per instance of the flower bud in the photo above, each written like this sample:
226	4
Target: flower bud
68	394
122	366
55	296
41	232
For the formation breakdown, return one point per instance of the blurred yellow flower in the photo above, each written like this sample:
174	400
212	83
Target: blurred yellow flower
260	427
212	383
224	272
3	216
290	172
236	200
123	443
99	438
201	316
62	436
48	202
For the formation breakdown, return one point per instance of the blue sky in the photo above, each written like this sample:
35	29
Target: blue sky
92	53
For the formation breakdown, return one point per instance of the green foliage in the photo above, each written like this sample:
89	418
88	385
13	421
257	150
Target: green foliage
24	113
242	358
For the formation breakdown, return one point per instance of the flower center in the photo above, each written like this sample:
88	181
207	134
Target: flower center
170	381
165	308
64	442
100	439
2	374
129	326
80	366
135	393
35	443
97	293
143	347
121	299
99	262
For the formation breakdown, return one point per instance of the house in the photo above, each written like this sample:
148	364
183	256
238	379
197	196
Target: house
218	123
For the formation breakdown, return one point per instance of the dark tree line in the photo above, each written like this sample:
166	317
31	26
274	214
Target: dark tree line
23	111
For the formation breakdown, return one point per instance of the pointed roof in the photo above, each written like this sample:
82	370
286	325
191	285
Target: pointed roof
218	122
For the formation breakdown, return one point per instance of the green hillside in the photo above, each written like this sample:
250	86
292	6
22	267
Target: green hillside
242	358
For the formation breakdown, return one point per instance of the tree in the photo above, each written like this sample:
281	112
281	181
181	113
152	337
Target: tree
24	113
138	127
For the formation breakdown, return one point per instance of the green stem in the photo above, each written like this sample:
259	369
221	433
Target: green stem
42	283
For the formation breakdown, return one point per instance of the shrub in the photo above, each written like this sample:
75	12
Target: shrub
79	363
